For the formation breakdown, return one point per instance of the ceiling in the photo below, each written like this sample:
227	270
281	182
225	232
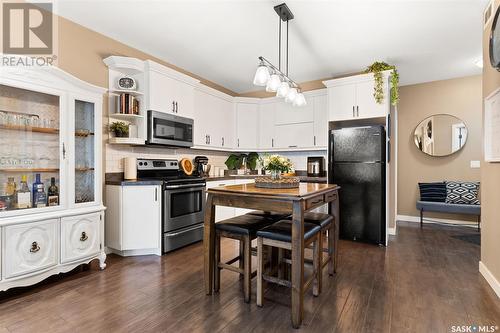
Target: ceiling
220	41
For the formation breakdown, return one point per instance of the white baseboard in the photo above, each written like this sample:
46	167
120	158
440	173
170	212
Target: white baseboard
492	281
130	253
392	231
409	218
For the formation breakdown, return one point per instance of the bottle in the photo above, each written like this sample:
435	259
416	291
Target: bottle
53	193
23	194
39	196
10	189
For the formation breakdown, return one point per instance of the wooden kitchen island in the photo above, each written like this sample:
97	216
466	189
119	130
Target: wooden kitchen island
295	201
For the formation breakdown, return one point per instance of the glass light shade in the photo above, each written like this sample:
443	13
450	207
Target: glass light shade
273	83
261	75
292	95
283	89
300	100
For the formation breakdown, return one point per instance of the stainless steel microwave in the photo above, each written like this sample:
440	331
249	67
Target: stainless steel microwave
169	130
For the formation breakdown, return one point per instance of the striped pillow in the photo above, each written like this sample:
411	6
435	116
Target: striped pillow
435	192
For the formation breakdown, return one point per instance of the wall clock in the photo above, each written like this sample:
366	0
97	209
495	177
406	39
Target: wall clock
495	42
126	83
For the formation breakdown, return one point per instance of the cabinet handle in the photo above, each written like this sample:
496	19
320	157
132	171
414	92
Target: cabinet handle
272	142
222	141
353	112
294	146
64	151
173	106
209	139
238	142
314	140
84	237
206	139
176	107
357	110
156	194
34	247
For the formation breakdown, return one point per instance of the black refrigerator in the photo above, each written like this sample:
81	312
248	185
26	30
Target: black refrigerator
357	163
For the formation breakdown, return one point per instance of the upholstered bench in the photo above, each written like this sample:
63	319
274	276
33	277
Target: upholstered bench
443	207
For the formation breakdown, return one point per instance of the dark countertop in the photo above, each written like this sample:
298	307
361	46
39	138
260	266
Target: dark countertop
116	178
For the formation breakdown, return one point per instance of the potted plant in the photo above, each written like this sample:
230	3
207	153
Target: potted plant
235	162
277	165
119	129
377	68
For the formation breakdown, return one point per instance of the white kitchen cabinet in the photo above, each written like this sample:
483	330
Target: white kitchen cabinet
168	90
286	113
267	113
247	116
352	97
30	247
80	236
214	119
294	135
320	121
222	212
134	219
68	151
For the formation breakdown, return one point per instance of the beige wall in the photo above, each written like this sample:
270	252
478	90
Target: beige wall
490	179
458	97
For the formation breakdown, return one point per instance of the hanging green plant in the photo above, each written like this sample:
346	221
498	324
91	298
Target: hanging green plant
377	68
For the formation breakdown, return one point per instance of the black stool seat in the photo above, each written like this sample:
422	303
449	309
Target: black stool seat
271	215
282	231
246	225
321	219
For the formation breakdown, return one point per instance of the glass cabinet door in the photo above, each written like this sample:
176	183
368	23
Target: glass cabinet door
84	152
30	150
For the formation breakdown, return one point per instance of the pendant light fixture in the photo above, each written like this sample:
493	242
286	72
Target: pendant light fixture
272	77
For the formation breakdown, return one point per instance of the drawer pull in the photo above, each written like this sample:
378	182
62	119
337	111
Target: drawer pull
84	237
316	201
34	247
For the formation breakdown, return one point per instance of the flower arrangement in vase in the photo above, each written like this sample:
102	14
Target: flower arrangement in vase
276	165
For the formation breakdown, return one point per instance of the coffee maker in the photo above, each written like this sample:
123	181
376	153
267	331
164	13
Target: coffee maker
315	166
201	166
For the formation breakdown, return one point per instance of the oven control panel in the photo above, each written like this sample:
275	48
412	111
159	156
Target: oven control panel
147	164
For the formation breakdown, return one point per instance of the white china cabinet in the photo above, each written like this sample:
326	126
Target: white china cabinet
51	211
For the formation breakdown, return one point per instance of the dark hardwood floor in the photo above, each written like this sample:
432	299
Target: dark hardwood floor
425	281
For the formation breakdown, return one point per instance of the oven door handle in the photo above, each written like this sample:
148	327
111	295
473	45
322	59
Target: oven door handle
174	187
184	231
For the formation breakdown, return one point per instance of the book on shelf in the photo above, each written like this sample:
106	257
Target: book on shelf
127	104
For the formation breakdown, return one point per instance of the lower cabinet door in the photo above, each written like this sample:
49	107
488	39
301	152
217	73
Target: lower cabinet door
80	236
30	247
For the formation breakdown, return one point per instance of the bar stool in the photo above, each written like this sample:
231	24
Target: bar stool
242	228
327	225
279	235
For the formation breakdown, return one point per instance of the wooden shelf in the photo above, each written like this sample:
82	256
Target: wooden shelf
48	170
84	169
30	129
126	116
127	141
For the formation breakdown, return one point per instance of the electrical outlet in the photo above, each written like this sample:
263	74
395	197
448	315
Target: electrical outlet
475	164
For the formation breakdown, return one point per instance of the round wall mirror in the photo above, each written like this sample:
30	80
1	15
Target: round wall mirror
440	135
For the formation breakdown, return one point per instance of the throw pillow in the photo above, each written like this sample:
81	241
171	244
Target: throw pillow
433	191
462	192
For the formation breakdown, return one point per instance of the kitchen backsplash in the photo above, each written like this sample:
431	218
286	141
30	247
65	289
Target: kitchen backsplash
115	155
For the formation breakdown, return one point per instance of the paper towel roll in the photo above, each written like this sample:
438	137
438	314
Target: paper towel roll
130	168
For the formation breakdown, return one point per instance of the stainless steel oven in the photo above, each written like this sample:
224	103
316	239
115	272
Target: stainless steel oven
183	213
169	130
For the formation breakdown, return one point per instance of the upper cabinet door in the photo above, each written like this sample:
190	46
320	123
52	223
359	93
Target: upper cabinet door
246	125
320	121
294	136
204	107
366	106
342	102
161	93
86	145
34	143
184	99
224	136
286	113
266	125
